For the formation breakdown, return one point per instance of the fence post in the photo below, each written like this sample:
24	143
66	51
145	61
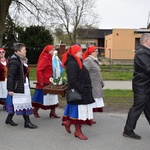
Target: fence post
109	58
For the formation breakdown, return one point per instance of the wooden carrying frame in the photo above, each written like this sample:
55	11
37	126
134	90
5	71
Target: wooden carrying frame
54	89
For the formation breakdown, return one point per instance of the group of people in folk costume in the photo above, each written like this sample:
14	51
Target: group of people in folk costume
81	76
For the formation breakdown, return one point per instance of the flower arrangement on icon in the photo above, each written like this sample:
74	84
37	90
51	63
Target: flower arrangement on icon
59	81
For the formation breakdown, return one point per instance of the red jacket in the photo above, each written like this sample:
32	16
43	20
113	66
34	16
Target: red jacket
44	70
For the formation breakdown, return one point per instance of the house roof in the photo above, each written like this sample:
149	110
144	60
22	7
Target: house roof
142	30
93	33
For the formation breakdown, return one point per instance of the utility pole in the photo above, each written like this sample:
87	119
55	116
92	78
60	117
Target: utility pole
148	20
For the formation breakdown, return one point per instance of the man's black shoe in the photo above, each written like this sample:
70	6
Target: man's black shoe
131	134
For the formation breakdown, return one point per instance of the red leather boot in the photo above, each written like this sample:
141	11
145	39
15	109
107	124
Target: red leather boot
53	114
67	125
35	112
78	133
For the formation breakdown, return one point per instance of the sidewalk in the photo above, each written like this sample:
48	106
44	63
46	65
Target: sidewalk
123	85
126	85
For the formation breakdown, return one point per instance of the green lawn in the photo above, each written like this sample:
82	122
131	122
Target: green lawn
32	74
116	75
118	100
117	72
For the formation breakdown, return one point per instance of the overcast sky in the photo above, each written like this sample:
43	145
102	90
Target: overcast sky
123	13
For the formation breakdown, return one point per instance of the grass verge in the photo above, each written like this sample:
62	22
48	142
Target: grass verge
118	100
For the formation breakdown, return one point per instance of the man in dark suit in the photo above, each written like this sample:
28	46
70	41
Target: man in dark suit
141	87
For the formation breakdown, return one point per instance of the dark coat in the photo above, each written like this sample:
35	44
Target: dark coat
79	80
16	75
141	77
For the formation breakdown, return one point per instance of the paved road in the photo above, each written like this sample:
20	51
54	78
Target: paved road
106	134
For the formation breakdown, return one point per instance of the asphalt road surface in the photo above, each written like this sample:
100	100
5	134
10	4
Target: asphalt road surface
106	134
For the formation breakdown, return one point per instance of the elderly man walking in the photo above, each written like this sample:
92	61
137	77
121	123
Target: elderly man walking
141	87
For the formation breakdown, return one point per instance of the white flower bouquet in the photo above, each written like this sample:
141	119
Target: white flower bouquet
59	81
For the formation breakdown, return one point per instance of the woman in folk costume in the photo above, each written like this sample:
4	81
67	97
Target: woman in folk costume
3	76
77	113
18	99
44	72
90	61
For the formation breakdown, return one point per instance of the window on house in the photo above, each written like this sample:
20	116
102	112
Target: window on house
137	42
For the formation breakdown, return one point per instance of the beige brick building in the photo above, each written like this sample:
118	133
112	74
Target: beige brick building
119	44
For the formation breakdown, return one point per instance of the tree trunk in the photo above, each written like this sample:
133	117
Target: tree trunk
4	7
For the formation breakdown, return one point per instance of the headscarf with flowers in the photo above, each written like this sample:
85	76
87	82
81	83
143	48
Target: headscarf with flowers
72	50
88	51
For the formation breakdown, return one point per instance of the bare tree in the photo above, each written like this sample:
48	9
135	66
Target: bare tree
72	14
4	6
69	14
18	7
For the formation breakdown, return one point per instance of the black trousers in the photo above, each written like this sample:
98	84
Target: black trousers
141	103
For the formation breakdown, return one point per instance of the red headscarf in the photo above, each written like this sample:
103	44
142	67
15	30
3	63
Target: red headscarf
88	51
72	50
1	49
46	49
